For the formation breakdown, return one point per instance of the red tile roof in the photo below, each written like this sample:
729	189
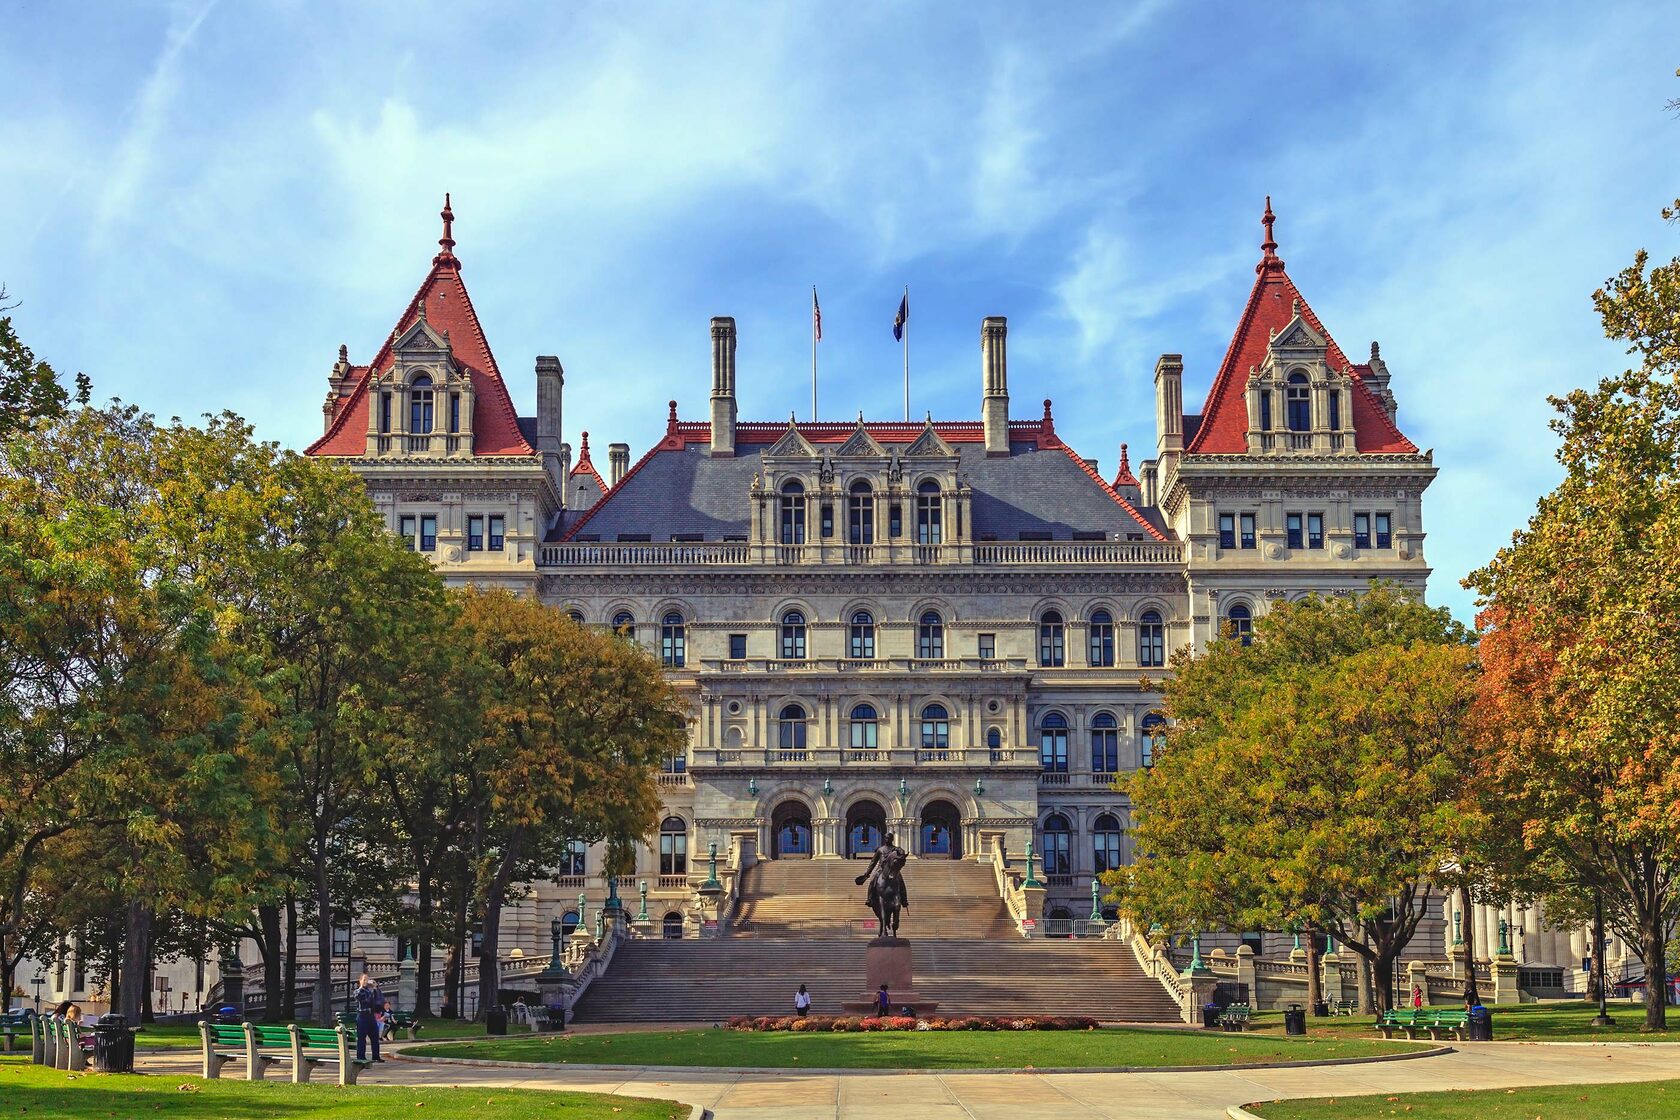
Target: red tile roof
1124	476
1224	417
448	309
587	468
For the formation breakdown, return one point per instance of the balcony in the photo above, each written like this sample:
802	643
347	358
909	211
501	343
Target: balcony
676	781
610	555
854	666
847	758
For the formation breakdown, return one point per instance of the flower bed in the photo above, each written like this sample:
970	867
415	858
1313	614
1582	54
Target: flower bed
846	1023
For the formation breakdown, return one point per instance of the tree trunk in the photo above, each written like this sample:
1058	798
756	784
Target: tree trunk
1362	970
1315	980
1595	970
321	1004
1652	948
455	974
1383	978
489	972
148	1012
290	981
268	923
8	970
137	950
423	950
1472	989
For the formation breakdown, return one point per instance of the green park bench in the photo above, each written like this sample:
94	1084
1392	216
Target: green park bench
325	1046
14	1025
223	1043
38	1037
261	1045
1402	1020
1447	1023
71	1045
406	1022
1236	1017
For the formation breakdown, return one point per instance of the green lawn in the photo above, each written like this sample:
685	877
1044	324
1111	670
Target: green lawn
42	1094
1528	1022
913	1049
185	1037
1636	1099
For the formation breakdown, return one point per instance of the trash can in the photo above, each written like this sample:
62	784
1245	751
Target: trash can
227	1015
1321	1009
495	1021
113	1045
1295	1020
556	1019
1210	1016
1481	1024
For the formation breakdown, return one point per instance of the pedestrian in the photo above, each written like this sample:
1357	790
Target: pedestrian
801	1001
883	1001
1417	997
370	1002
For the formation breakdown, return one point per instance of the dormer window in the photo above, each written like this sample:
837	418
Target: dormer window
793	512
928	506
1335	400
420	406
454	413
1265	410
1299	399
860	514
385	413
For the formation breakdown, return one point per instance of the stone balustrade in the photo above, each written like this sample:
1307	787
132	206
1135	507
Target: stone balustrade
615	555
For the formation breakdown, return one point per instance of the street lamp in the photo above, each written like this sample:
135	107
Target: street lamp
40	978
1603	1019
554	931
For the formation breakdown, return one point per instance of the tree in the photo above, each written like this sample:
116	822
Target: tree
1315	779
29	389
572	727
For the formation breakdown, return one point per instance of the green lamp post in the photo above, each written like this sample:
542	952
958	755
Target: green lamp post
1504	937
712	882
642	886
613	901
1096	905
1030	881
583	911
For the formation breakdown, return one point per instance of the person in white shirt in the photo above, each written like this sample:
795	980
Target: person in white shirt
801	1001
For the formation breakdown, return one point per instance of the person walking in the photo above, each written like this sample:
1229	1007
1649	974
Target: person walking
883	1001
370	1001
1417	997
801	1002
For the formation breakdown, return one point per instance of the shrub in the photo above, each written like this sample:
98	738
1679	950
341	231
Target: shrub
869	1023
845	1023
807	1025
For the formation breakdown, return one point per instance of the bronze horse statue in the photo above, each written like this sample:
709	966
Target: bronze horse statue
887	896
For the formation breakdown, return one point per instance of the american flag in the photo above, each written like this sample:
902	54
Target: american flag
816	315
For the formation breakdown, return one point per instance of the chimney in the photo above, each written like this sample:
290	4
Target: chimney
994	381
550	380
1169	409
723	386
618	461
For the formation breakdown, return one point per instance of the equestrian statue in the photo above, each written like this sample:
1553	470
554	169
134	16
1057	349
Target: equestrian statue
887	896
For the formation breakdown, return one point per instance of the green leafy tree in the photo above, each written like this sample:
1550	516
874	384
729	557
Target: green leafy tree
1313	780
29	389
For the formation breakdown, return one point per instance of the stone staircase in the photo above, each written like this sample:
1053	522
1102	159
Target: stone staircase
708	981
788	898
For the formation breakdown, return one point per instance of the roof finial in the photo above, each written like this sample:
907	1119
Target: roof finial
1124	476
1268	247
1376	352
583	452
446	254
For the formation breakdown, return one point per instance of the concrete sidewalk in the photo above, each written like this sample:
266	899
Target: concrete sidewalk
1162	1095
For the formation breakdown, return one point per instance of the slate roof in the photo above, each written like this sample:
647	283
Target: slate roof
1042	486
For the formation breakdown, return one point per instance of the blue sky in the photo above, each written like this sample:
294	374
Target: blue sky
203	201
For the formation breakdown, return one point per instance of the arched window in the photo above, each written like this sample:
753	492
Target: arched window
420	406
930	636
936	728
576	616
1053	743
1105	744
1299	397
790	728
793	512
860	514
673	847
568	924
1105	840
1152	640
624	625
671	928
673	640
1102	639
1239	623
928	507
1052	640
1151	732
1058	854
793	636
866	728
861	643
994	743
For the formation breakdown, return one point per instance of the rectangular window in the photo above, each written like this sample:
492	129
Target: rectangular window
1385	534
475	534
341	941
1292	525
1247	523
1362	530
1265	410
688	538
895	521
1227	530
498	533
1034	535
1315	530
428	533
1335	410
384	412
737	647
405	528
635	538
828	519
454	412
1089	535
80	977
988	647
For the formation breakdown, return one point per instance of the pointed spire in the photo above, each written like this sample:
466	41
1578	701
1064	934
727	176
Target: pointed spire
446	254
1124	476
583	453
1268	247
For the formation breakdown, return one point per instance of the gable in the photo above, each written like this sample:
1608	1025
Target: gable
792	445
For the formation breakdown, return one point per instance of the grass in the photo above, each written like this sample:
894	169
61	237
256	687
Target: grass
1633	1099
1529	1022
43	1094
913	1049
176	1036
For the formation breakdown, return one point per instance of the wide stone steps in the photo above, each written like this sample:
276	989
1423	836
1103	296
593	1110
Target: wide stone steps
672	981
795	898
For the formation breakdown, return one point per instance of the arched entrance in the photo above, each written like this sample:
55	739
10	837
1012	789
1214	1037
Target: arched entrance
941	831
866	821
672	927
790	831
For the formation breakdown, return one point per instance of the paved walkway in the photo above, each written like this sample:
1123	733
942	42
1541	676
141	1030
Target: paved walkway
1023	1096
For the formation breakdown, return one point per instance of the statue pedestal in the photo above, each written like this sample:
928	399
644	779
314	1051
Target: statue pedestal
887	960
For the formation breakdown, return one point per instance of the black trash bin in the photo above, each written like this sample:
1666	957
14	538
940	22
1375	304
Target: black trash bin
113	1045
1481	1024
556	1019
1295	1020
495	1021
1210	1016
1321	1009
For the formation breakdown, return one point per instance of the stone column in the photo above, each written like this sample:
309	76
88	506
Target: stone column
1330	979
408	985
1245	973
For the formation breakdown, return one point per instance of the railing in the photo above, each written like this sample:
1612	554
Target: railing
711	757
618	554
1300	441
1059	881
672	883
572	882
676	781
1055	778
868	665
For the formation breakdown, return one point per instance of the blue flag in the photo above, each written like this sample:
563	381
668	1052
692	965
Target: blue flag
903	317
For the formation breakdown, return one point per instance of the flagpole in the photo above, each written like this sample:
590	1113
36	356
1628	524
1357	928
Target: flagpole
813	353
906	352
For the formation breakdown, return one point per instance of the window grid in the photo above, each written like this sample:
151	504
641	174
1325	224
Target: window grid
1052	640
1151	640
1101	633
673	641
